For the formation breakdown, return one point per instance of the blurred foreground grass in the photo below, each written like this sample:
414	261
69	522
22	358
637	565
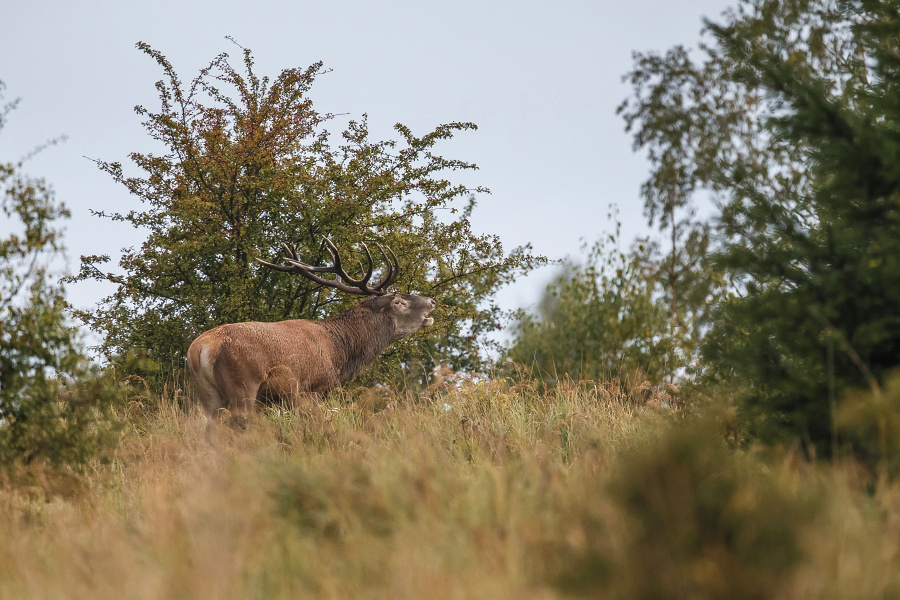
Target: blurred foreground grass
468	490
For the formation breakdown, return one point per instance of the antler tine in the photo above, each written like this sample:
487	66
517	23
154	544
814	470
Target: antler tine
337	267
295	260
368	274
393	270
308	271
293	253
352	286
339	270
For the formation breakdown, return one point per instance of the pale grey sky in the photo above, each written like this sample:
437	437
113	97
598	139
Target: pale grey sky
541	79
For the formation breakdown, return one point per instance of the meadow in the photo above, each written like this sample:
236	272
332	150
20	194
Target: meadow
467	489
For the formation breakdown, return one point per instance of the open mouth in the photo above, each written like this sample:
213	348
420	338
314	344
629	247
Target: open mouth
428	321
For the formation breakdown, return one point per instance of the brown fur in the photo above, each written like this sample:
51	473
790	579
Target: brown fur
235	365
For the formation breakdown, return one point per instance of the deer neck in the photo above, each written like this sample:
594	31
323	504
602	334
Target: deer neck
359	336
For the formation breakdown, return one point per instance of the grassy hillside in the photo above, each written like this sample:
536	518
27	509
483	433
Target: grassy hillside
469	490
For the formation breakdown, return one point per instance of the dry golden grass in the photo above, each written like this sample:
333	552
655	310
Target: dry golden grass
469	490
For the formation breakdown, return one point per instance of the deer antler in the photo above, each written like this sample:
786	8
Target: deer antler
352	286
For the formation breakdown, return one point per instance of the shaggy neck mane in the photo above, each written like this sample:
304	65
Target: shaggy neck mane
359	336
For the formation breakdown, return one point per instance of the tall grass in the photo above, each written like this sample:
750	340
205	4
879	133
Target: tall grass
465	490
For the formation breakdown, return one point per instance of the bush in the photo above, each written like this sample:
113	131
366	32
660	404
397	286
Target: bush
54	408
247	166
698	521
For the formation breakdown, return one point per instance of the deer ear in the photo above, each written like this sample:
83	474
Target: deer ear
382	302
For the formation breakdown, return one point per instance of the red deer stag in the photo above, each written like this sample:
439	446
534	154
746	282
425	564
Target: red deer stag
235	365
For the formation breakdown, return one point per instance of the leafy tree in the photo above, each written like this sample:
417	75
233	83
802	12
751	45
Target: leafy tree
51	404
599	320
825	271
248	165
788	119
681	116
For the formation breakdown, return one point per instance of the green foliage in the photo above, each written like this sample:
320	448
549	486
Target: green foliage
787	118
822	275
49	402
599	320
612	317
248	165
